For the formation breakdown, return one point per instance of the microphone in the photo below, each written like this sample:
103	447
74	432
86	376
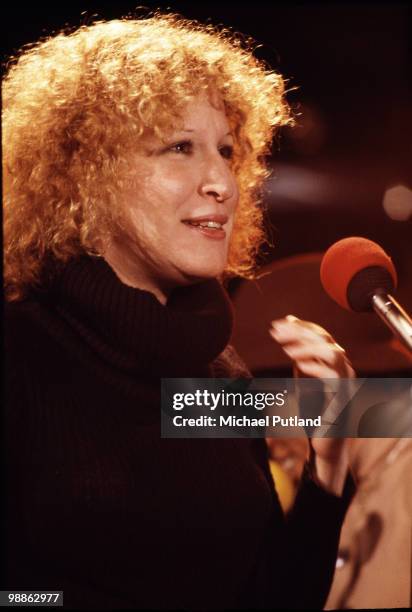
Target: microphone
358	275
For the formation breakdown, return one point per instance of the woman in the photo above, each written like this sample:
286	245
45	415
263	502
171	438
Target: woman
133	160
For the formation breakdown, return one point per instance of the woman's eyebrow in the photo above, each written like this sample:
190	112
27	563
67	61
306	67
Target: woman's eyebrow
191	130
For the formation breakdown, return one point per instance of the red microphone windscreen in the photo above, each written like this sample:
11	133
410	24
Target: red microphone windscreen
345	259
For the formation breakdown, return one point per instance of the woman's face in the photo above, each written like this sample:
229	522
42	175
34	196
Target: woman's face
179	215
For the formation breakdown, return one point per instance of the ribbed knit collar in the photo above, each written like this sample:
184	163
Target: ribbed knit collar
131	327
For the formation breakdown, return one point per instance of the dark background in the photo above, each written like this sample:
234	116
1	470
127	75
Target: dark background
351	66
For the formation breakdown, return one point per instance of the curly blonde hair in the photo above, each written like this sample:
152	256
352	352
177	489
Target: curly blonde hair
74	107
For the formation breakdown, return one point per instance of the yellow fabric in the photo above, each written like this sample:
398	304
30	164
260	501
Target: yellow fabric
284	485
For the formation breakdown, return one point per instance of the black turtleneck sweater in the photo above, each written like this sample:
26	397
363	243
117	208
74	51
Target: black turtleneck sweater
98	505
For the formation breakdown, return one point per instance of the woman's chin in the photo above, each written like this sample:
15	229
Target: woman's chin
197	273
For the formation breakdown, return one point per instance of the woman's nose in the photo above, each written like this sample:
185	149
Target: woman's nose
218	180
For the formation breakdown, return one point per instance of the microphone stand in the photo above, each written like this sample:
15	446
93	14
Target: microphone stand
394	316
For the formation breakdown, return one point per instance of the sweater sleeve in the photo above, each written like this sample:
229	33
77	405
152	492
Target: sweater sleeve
313	531
229	365
298	557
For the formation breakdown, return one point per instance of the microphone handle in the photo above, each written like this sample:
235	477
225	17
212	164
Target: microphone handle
394	316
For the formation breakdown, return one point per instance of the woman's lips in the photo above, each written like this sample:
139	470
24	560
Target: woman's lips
200	224
212	233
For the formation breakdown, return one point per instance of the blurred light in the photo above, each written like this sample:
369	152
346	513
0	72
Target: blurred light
306	186
397	203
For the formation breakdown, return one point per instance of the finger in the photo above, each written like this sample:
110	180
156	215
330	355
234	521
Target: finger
296	341
331	354
318	349
307	324
292	335
291	319
284	331
321	370
314	369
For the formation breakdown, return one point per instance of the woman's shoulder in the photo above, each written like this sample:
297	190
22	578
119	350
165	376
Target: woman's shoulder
19	355
25	336
19	322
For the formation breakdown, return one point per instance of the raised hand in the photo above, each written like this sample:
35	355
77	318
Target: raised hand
315	354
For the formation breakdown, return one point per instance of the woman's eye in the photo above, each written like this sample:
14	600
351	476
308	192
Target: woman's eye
185	147
226	151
